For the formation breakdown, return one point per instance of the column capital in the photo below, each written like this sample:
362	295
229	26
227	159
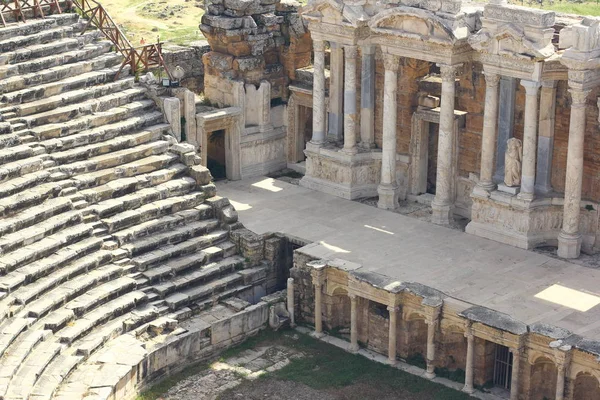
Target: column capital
491	79
579	97
449	72
353	296
531	87
318	45
391	62
393	309
350	51
549	84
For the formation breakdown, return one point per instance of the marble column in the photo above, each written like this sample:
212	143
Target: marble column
336	93
514	380
569	239
318	283
560	382
442	203
506	120
529	139
367	98
392	335
319	115
545	145
431	327
350	114
290	301
353	324
488	137
388	188
468	388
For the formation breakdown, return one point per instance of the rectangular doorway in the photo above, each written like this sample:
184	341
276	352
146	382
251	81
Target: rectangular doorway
432	153
503	367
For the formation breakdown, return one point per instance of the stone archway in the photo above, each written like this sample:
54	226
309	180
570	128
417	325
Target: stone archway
415	338
338	311
542	382
586	387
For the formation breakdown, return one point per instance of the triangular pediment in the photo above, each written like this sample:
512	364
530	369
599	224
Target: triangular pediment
335	12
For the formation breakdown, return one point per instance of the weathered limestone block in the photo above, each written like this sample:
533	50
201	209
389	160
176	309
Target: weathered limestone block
200	174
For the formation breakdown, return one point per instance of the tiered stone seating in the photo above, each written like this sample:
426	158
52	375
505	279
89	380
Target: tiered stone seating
106	224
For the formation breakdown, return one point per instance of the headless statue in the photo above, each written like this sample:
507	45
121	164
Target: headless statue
512	162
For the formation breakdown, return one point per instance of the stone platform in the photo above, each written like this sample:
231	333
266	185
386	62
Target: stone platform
463	266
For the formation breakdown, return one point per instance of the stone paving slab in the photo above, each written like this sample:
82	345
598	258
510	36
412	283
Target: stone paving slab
463	266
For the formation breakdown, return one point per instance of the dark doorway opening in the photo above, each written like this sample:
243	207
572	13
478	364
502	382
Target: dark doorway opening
432	154
216	154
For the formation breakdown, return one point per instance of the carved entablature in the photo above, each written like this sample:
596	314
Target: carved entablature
416	24
335	12
521	16
513	41
582	54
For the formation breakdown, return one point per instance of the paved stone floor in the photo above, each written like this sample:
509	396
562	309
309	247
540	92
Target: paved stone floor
463	266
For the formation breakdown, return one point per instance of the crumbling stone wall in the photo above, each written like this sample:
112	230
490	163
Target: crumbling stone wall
190	59
254	41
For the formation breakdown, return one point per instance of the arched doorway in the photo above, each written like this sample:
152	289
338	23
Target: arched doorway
543	380
586	387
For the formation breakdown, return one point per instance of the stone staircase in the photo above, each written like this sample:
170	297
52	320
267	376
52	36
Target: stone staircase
106	224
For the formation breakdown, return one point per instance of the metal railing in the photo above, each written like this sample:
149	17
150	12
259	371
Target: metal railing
138	58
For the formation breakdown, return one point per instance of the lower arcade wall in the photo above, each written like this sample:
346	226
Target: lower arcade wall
435	331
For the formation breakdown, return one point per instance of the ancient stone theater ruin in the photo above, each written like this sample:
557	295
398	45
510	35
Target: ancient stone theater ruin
120	265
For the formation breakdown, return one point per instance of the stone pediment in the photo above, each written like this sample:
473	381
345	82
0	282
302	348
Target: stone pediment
417	24
335	12
510	40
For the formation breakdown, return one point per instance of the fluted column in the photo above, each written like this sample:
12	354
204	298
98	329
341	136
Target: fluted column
388	189
431	327
529	139
336	93
392	335
350	114
560	382
318	278
442	203
569	239
468	388
290	301
319	117
367	97
353	324
514	380
488	139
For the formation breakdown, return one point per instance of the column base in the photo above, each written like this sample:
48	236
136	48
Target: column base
429	375
317	335
317	143
483	191
366	146
353	348
391	362
388	197
525	196
350	151
569	245
441	214
468	390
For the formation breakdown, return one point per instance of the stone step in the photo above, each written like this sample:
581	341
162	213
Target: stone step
172	236
22	383
32	234
46	49
43	248
41	285
21	167
150	134
22	183
71	111
18	152
145	165
203	275
197	293
30	198
71	290
167	222
62	86
53	376
77	96
104	132
100	295
167	252
11	330
86	52
58	73
95	120
34	215
100	315
152	210
19	350
30	28
177	187
44	36
118	187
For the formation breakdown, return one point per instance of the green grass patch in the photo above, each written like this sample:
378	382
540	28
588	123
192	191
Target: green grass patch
163	386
